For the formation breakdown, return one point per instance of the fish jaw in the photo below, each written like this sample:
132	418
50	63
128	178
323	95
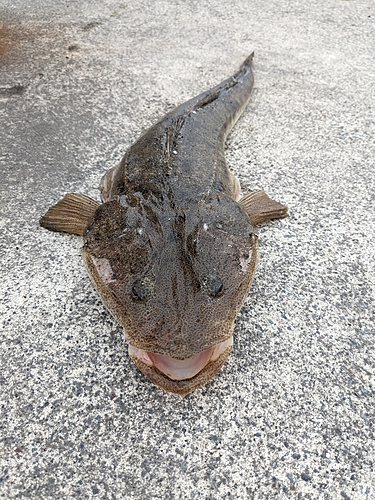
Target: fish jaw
181	376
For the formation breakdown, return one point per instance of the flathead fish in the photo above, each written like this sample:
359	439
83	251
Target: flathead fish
171	249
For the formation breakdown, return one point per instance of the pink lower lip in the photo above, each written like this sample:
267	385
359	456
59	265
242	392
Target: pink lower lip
177	369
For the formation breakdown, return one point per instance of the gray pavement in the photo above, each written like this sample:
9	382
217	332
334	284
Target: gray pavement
291	415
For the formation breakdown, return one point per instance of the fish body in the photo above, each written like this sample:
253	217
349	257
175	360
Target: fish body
171	249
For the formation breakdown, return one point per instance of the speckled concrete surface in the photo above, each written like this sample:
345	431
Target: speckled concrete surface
291	414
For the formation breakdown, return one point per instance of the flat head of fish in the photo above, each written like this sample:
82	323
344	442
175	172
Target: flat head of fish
174	281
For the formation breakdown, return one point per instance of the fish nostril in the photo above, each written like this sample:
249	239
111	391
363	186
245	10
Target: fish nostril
143	289
212	285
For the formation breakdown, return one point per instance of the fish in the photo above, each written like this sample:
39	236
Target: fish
171	249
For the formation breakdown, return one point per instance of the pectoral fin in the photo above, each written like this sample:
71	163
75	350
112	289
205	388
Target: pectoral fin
260	208
70	215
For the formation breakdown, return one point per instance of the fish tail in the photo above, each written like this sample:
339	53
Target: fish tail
236	96
247	63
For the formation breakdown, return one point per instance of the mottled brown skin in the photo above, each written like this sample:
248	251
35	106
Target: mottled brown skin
170	251
175	289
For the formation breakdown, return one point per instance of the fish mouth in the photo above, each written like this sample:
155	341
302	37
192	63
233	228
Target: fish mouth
181	376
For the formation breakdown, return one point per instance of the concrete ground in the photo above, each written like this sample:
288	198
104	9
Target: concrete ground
291	414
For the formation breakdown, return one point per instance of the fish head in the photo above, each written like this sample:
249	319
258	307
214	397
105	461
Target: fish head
175	282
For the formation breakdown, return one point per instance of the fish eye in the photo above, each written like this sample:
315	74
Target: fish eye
143	289
212	285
